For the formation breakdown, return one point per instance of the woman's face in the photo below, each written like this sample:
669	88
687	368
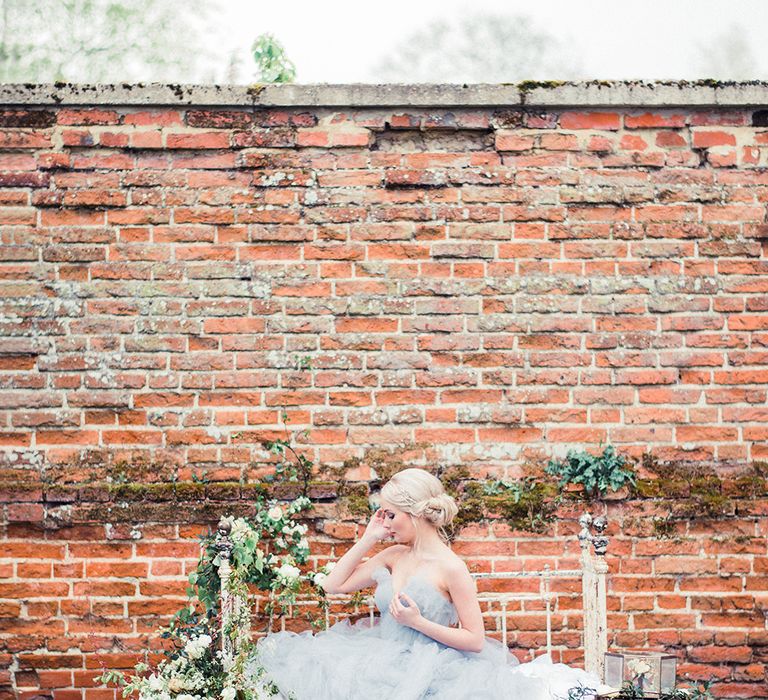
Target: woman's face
399	523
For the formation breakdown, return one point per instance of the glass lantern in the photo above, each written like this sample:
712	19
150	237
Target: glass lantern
648	671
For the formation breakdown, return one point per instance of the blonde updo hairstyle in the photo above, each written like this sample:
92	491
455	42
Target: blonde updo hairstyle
420	494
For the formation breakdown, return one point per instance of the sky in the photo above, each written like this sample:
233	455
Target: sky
342	41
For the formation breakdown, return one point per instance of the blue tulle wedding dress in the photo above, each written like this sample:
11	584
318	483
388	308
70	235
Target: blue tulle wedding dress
392	661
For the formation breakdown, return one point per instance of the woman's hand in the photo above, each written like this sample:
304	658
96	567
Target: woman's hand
376	529
404	610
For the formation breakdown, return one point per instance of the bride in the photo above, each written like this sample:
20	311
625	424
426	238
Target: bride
430	640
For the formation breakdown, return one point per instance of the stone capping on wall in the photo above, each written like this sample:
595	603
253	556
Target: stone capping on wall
597	93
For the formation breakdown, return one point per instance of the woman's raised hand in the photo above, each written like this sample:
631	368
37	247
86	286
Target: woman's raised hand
376	529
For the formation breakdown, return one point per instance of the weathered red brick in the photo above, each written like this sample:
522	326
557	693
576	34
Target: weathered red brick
590	120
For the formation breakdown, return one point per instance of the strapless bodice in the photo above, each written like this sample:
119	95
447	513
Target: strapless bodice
432	604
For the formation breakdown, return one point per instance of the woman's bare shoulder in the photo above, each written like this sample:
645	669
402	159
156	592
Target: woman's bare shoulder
453	565
392	553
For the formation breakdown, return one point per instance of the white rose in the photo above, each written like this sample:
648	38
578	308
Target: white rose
275	513
155	683
638	667
286	571
195	648
329	566
228	693
303	544
319	578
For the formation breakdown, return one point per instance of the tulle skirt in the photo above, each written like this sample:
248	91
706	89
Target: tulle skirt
387	660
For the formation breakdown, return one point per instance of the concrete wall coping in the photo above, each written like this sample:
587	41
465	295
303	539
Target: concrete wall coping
593	94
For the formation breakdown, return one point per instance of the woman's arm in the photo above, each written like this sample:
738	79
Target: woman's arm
471	636
351	573
461	639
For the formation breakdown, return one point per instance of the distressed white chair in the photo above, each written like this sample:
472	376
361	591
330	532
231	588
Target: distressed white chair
593	571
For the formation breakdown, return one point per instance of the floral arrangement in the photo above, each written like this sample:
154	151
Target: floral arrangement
694	692
641	671
632	690
202	661
265	552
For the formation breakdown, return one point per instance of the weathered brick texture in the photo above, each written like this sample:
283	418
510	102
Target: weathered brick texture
473	286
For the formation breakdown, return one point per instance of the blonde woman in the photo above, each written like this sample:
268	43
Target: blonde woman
418	649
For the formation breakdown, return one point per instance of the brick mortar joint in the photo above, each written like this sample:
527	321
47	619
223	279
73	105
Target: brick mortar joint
596	93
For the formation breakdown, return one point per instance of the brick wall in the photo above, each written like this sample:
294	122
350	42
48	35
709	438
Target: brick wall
481	286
